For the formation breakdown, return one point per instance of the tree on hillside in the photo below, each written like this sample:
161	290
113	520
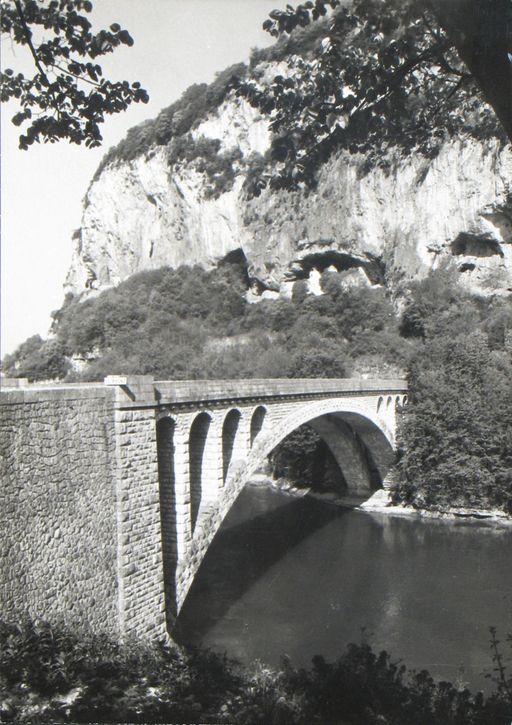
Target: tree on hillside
68	96
456	430
387	72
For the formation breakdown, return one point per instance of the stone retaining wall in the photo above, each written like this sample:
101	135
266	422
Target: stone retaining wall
58	506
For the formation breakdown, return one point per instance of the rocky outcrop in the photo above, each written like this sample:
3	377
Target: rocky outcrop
387	225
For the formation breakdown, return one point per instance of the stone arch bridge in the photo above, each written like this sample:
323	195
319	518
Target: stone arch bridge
125	484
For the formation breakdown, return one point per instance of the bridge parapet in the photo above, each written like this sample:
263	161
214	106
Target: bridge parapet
140	390
143	390
169	392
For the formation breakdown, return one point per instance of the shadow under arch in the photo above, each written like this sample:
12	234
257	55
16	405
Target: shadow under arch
229	431
354	459
257	420
379	448
374	434
251	553
196	449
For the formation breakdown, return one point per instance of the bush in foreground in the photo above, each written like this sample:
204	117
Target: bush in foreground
48	675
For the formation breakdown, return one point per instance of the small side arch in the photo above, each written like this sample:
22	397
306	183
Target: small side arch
229	431
165	430
389	401
196	449
379	403
257	420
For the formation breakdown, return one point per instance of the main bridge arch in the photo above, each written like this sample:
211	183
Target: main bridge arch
359	431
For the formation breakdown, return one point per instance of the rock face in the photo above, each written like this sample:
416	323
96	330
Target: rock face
388	225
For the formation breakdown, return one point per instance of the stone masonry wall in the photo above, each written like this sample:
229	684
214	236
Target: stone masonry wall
140	574
139	526
58	507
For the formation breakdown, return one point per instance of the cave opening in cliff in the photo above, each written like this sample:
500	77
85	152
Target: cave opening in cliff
473	245
236	259
467	267
373	267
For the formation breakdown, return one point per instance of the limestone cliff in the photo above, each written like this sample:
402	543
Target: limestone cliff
388	226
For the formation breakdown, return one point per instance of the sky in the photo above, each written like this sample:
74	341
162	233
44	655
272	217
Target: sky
177	43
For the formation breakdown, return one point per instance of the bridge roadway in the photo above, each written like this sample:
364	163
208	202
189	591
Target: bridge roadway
171	459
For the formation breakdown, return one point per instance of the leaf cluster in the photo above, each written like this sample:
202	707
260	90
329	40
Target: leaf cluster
68	96
50	675
303	42
284	21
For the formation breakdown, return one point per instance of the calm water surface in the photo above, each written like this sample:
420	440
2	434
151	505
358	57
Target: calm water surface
301	577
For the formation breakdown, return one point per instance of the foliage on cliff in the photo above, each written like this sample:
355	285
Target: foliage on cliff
185	114
188	323
205	156
395	73
49	675
368	80
174	121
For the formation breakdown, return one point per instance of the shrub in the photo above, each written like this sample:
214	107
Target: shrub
204	155
38	359
50	675
196	102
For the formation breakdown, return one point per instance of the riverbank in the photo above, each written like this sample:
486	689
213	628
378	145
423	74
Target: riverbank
281	484
380	502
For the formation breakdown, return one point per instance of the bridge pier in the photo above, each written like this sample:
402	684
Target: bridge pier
166	441
140	563
182	490
348	452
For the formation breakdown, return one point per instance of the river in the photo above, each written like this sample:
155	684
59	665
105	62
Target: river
299	577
